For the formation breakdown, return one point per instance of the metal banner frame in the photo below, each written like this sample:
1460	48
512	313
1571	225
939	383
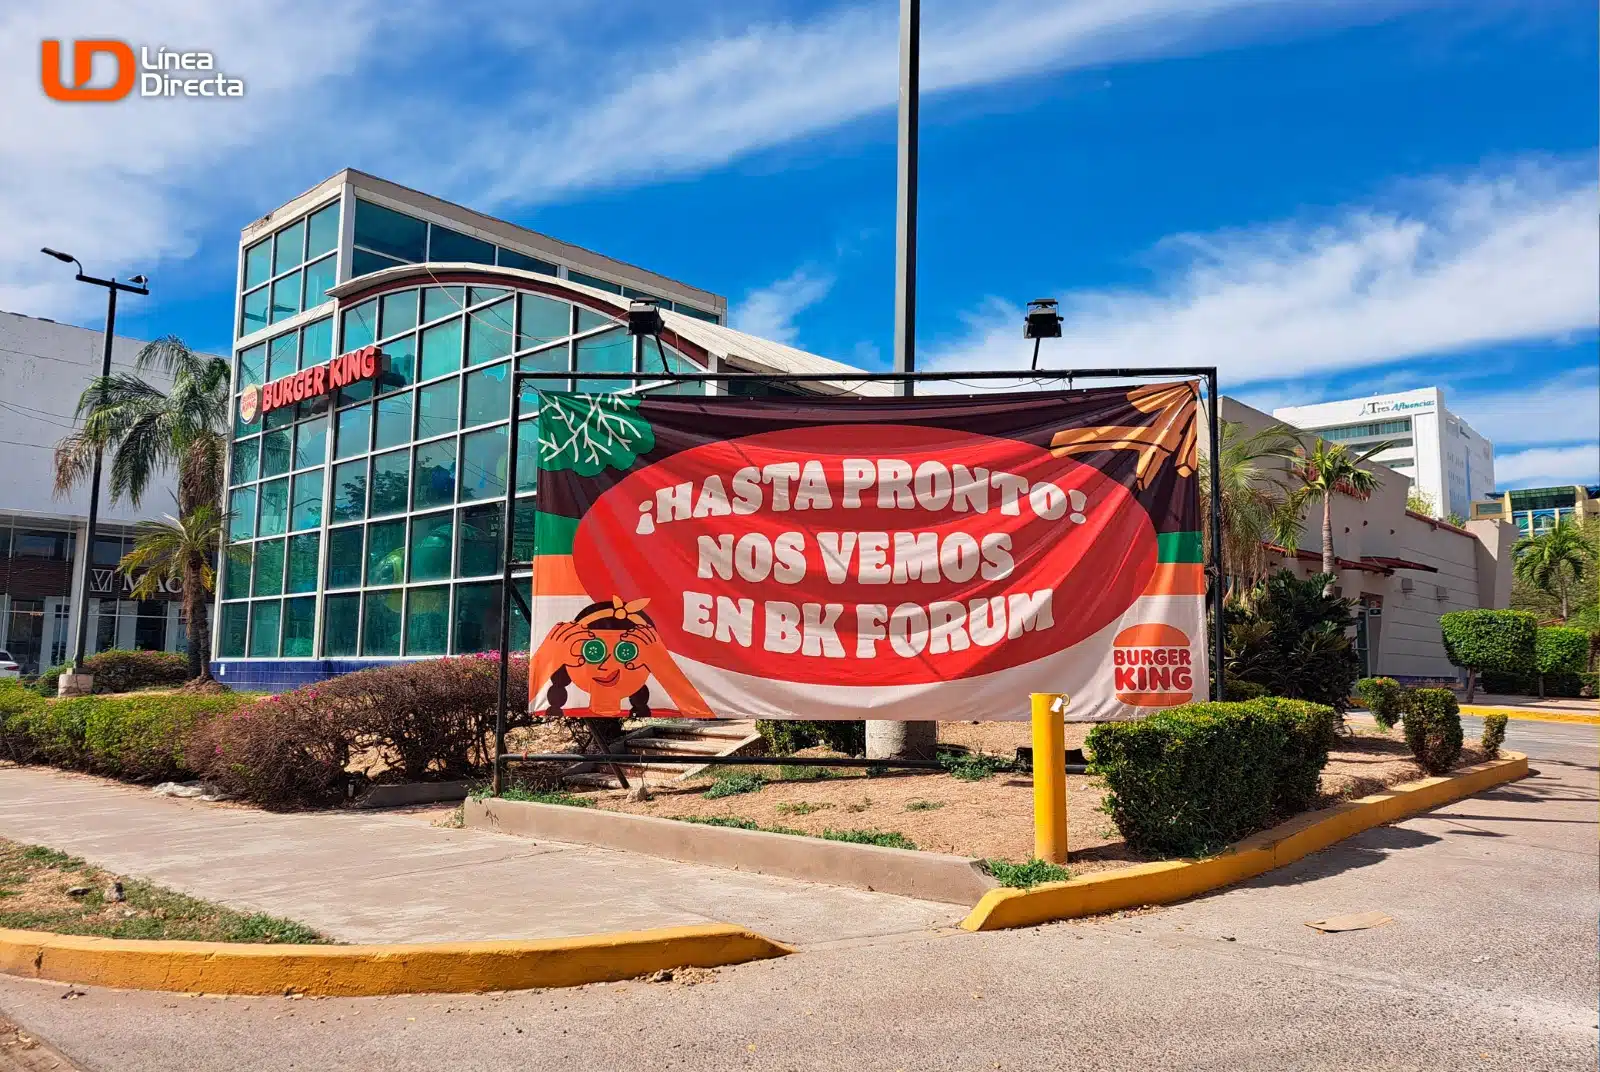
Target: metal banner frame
509	596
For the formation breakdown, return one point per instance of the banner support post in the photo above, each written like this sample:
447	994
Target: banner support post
1050	777
1215	439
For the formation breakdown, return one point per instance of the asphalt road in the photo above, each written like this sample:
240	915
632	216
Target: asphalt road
1490	963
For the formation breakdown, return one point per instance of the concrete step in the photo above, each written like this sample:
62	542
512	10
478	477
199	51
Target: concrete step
726	731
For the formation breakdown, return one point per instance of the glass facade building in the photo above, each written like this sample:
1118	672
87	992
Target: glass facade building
365	524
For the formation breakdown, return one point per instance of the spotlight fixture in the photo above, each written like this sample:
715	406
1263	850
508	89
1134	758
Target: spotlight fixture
1041	322
644	318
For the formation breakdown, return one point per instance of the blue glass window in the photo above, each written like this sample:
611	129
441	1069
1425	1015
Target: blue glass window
543	320
340	618
276	452
391	475
344	557
553	359
386	550
350	490
236	564
510	258
231	641
316	342
610	351
311	443
252	366
387	231
274	516
364	263
448	245
588	319
489	334
595	282
264	629
478	541
283	355
380	623
286	297
437	406
483	464
430	547
290	248
307	508
246	460
242	514
441	350
322	231
353	434
258	263
269	568
399	312
479	295
442	301
320	277
253	312
302	571
488	395
394	421
399	365
360	324
434	475
299	627
427	620
477	626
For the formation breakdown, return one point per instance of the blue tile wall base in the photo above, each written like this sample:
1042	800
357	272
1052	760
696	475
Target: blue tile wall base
281	675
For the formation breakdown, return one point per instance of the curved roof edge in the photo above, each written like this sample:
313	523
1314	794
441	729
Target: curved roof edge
741	350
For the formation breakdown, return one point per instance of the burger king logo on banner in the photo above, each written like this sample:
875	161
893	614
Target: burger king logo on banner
1153	666
249	403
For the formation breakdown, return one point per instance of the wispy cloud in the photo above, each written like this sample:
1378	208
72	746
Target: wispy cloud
770	311
1548	466
580	95
1561	409
1446	265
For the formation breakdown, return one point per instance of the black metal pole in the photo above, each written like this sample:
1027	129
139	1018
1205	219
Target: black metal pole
508	528
1215	437
86	554
905	268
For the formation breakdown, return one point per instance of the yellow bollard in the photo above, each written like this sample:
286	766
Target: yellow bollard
1050	776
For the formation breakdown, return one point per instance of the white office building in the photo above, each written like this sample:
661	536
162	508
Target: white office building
44	367
1447	462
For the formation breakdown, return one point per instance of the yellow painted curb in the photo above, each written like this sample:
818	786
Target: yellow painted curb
1525	715
1175	880
367	970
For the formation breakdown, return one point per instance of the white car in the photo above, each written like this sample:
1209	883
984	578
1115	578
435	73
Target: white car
8	666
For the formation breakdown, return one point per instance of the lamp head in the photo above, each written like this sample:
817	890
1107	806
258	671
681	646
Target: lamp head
1042	321
65	258
644	318
138	280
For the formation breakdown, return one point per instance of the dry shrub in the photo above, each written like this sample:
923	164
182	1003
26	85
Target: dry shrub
429	720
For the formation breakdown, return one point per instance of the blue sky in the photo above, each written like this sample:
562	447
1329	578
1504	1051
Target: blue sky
1323	198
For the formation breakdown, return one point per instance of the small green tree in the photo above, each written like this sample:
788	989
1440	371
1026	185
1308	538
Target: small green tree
1554	562
1289	636
1324	470
1493	641
181	550
1561	652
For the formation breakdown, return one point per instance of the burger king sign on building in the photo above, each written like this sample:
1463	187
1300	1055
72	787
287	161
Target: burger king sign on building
1153	666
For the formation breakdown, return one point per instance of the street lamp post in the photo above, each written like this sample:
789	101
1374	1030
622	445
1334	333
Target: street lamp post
133	286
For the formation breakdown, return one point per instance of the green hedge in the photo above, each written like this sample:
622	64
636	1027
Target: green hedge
118	670
143	738
1383	697
1433	728
1490	641
1494	735
1189	781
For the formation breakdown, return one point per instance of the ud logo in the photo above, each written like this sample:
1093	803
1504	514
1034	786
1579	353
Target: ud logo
83	53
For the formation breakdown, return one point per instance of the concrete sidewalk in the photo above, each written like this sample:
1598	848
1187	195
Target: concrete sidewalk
374	877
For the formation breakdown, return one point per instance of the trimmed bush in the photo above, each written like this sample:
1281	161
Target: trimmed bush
1189	781
118	670
142	738
1490	641
1494	735
787	736
1239	689
424	720
1383	697
1433	728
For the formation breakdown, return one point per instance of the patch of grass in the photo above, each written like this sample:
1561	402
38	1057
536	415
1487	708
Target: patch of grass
38	879
1022	876
972	766
925	805
567	800
887	839
800	807
856	809
720	820
794	772
732	783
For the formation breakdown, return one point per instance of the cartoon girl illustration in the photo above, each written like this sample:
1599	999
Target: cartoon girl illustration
611	650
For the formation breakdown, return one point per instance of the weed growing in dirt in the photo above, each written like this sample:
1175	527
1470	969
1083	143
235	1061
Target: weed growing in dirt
856	809
1022	876
732	783
925	805
887	839
800	807
570	800
720	820
972	766
793	772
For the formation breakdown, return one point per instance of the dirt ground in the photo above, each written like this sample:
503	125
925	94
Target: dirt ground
992	818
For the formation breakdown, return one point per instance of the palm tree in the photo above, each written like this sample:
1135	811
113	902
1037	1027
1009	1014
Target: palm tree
180	550
1553	560
149	432
1254	497
1322	471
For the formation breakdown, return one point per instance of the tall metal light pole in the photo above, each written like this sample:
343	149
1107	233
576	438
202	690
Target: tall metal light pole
81	583
905	740
905	221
